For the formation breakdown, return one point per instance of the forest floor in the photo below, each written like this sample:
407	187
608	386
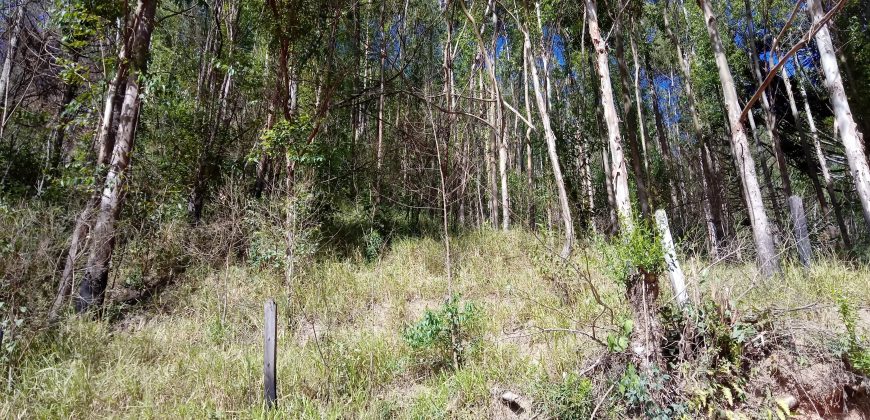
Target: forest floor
195	349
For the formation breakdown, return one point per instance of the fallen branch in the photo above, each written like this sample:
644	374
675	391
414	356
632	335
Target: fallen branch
802	43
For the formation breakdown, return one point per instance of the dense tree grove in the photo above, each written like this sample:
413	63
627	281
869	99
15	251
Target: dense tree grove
366	120
148	144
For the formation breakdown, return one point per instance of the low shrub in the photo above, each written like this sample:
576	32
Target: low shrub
446	336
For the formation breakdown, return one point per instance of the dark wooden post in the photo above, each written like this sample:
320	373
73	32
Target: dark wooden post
802	235
270	347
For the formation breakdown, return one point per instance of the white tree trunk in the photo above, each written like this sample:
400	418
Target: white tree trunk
849	134
91	292
11	49
764	246
550	138
617	158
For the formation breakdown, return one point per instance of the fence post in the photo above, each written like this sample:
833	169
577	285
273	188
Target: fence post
801	233
270	345
675	273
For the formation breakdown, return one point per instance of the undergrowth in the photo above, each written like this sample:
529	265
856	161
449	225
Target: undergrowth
374	338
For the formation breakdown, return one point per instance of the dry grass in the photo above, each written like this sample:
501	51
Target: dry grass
194	351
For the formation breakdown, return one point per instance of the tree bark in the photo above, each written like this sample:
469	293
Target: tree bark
379	147
710	183
823	166
550	137
639	106
849	134
93	286
105	143
618	168
767	255
500	139
11	49
664	146
630	117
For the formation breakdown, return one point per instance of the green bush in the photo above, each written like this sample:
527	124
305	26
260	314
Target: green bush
638	250
450	331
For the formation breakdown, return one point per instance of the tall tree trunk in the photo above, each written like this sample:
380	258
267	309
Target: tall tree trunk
630	117
499	139
105	143
379	147
618	169
530	169
639	105
767	255
93	287
712	189
210	153
769	116
812	171
823	166
852	141
11	49
664	147
550	137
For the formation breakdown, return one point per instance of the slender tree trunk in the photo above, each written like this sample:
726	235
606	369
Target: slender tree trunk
630	117
665	148
823	166
812	171
63	117
767	255
210	153
550	137
618	169
712	190
379	147
530	170
11	49
769	116
500	140
849	134
105	143
639	106
92	290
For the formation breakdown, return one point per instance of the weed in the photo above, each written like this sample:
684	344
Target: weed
446	334
569	399
855	347
638	250
637	391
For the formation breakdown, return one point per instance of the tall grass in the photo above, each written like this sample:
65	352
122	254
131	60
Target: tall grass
195	349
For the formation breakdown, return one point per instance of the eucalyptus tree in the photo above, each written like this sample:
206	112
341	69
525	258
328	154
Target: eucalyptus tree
768	257
847	128
93	286
619	174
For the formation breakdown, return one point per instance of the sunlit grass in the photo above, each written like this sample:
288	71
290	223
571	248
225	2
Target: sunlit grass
196	349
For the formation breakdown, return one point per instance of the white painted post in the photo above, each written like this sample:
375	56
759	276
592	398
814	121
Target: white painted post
675	273
270	344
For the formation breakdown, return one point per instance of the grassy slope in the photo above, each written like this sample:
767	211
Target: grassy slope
195	351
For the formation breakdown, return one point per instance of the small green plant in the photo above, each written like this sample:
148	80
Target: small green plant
618	341
637	391
570	399
447	335
638	250
374	244
855	351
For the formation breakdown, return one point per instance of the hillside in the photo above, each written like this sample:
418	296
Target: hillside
194	350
